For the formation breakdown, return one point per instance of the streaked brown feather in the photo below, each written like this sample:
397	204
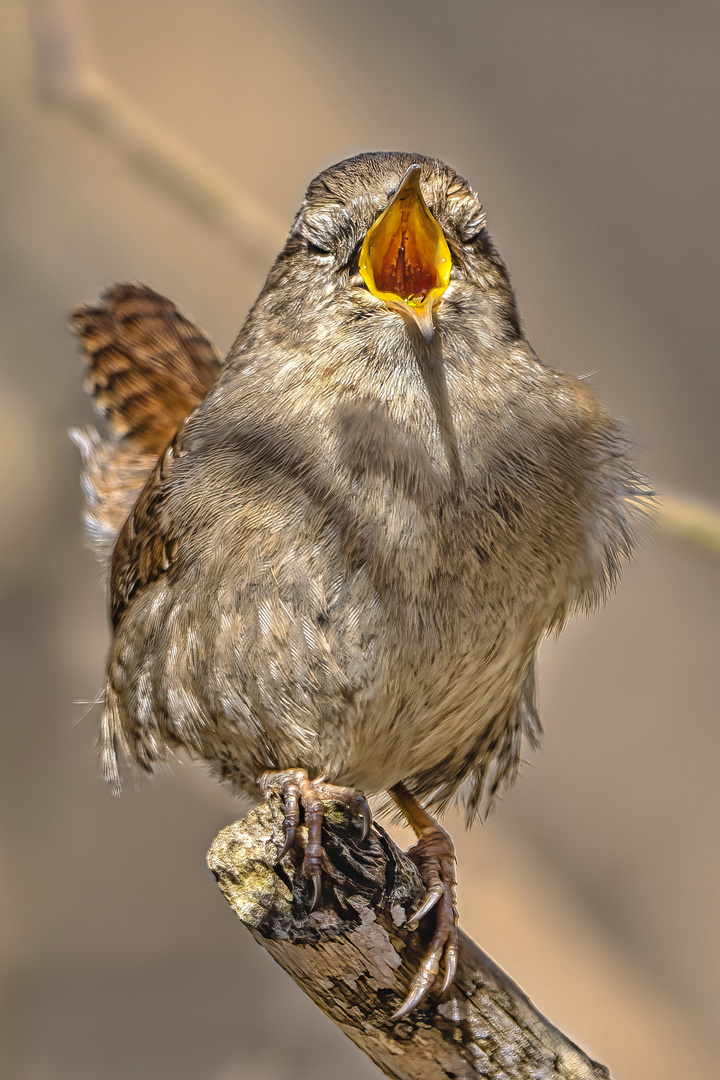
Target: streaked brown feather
146	545
148	366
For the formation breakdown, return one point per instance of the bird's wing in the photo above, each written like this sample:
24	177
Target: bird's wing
147	542
148	366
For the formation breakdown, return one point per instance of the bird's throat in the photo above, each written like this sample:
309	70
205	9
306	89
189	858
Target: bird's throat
432	369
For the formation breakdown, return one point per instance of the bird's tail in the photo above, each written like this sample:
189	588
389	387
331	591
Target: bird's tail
148	366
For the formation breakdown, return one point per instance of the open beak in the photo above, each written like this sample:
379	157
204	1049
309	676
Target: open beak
405	259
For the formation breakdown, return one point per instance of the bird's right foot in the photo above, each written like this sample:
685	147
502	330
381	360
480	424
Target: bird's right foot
306	798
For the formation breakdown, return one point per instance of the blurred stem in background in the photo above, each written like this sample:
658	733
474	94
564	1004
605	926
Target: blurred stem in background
68	78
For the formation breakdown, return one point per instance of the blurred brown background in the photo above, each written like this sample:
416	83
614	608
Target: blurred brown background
590	132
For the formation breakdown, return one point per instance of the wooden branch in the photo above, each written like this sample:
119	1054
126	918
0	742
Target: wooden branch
355	957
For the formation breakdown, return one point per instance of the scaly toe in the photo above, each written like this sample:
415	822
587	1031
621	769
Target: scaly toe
287	786
304	797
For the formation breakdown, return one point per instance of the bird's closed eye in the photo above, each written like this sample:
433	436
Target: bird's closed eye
316	249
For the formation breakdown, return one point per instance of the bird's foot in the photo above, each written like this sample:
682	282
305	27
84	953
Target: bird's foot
301	795
434	856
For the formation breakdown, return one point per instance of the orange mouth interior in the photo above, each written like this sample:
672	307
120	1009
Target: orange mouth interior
405	259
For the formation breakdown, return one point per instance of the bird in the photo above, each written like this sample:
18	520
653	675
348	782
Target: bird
332	555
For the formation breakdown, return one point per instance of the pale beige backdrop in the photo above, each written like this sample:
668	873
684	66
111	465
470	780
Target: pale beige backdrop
590	131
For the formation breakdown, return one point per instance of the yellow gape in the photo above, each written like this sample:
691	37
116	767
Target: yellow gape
405	260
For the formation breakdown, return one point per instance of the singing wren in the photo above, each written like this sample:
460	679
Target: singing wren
332	556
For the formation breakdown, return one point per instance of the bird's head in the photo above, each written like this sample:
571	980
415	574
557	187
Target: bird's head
387	244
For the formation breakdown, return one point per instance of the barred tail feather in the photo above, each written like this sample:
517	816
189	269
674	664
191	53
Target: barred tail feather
148	366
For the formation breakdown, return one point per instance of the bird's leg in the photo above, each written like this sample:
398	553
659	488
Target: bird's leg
299	792
434	856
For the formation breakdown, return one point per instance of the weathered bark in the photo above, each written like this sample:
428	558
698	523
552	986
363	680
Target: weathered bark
355	957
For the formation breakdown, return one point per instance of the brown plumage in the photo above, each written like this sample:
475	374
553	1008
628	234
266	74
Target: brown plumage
347	556
147	368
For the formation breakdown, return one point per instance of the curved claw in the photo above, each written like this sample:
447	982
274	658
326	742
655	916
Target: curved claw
350	797
451	962
421	985
428	904
366	814
289	841
317	888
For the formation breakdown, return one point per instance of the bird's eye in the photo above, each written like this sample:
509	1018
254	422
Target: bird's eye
316	249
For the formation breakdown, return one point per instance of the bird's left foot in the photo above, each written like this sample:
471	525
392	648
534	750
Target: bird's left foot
434	856
300	794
